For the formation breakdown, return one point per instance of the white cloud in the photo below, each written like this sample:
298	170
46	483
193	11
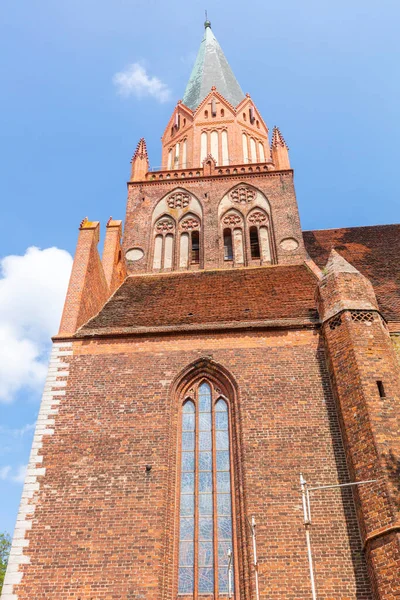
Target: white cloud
135	81
18	432
18	476
32	292
4	472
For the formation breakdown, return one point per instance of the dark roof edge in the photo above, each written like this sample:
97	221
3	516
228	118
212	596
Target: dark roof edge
350	227
208	327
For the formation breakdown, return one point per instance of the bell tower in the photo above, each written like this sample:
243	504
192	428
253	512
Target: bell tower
223	198
203	363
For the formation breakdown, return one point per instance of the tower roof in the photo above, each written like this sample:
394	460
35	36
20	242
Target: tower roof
211	69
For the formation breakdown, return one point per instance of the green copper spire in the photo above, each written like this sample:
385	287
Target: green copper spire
211	69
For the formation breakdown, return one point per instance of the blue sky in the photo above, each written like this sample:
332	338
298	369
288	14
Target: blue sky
325	72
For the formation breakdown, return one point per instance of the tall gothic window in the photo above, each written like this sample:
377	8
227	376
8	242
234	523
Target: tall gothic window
205	495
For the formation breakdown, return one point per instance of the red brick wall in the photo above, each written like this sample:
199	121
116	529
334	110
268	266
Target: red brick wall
360	354
277	187
103	527
87	289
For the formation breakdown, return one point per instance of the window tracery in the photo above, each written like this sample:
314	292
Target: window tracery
176	232
243	194
206	526
178	200
259	236
164	225
190	223
190	241
164	243
246	227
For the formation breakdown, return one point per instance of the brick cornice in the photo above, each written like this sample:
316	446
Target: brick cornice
208	178
194	327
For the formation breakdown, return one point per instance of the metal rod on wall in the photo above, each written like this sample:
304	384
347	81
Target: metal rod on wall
307	524
252	526
229	573
305	493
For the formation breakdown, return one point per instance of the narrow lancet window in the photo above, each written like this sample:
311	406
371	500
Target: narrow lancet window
195	248
228	249
186	545
254	243
206	535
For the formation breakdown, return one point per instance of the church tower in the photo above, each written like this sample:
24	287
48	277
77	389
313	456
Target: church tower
203	364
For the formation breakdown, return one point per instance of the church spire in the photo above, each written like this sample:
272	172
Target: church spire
211	69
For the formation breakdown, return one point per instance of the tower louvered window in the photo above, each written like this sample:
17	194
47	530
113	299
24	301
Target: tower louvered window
206	536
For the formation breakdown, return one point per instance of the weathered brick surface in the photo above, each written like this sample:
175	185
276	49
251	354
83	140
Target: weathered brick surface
87	289
209	298
276	186
374	251
103	526
112	260
360	353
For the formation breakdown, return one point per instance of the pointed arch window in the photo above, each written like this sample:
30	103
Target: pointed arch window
190	241
206	526
228	247
232	224
254	243
163	253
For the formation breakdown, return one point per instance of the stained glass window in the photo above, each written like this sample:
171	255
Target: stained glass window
205	498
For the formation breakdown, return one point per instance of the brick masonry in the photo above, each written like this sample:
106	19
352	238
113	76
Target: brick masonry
296	351
104	528
54	391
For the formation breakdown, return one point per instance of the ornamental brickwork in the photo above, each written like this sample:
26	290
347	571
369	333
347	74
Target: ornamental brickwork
212	283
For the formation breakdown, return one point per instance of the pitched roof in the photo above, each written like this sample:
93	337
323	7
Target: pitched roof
211	69
374	251
208	299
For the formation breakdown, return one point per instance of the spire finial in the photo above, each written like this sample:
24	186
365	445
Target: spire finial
207	23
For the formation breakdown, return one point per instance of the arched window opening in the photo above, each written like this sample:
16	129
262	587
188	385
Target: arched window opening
245	148
195	259
157	252
206	528
265	245
228	247
238	246
203	147
184	154
224	147
169	164
184	251
190	241
222	112
164	230
176	160
254	243
253	152
261	152
168	251
214	146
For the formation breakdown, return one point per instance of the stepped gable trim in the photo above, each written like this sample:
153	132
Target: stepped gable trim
214	91
249	99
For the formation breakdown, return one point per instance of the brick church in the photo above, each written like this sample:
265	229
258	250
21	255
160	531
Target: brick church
212	368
